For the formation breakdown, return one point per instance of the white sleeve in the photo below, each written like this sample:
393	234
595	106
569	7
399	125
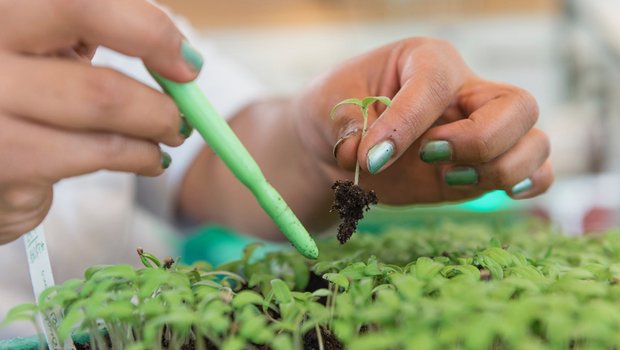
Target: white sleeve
228	86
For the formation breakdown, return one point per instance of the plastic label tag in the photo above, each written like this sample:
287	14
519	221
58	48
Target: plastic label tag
42	277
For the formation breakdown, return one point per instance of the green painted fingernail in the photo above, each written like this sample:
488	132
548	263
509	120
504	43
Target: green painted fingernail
378	155
522	186
191	56
165	160
461	176
186	128
436	151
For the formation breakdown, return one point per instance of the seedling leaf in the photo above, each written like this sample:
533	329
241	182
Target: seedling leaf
281	291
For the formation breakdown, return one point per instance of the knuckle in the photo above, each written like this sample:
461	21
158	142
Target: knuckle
501	176
103	91
150	162
23	198
410	121
545	143
167	124
162	30
480	142
439	87
548	179
527	105
112	147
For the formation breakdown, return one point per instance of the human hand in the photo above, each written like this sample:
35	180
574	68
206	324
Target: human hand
61	117
448	136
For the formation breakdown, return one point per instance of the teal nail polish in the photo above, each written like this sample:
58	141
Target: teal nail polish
378	155
191	56
165	160
461	176
522	186
436	151
186	128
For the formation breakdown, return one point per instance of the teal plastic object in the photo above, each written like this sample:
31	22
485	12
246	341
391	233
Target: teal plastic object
218	245
220	137
32	343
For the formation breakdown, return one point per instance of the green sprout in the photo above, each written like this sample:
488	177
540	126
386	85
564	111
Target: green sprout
363	104
467	286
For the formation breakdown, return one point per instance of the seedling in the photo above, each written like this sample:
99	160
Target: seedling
350	200
403	289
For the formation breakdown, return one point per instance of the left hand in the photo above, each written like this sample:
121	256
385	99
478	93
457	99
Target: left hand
448	136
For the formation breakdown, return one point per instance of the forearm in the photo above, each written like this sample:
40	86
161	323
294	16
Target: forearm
211	194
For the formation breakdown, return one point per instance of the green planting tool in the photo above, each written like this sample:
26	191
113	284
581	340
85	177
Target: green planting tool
220	137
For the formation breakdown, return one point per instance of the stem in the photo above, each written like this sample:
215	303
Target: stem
319	337
357	164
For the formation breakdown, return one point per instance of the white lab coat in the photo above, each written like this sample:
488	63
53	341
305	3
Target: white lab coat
101	218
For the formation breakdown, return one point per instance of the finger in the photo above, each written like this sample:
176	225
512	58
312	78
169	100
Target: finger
133	27
537	184
54	154
506	171
345	149
489	131
76	96
430	80
23	206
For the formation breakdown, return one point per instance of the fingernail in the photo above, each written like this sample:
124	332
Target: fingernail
378	155
186	128
436	151
522	186
165	160
461	176
342	139
191	56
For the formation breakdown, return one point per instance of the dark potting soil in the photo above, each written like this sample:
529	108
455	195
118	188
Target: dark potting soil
310	342
350	201
330	342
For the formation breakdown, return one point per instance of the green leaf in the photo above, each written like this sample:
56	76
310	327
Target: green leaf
22	312
354	271
500	256
352	101
322	292
461	270
233	343
281	291
247	297
92	270
493	266
124	272
301	273
337	279
426	268
282	342
145	257
372	267
372	99
69	322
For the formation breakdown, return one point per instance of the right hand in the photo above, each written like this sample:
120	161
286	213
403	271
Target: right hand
62	117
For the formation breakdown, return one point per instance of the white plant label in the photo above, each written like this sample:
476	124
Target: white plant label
42	277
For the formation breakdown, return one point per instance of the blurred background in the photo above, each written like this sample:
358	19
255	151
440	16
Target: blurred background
565	52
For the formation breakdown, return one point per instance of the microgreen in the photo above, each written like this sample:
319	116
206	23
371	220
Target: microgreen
363	104
453	286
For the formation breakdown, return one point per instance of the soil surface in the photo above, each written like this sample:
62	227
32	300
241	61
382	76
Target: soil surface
350	201
330	342
310	342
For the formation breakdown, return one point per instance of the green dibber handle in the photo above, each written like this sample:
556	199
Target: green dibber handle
220	137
